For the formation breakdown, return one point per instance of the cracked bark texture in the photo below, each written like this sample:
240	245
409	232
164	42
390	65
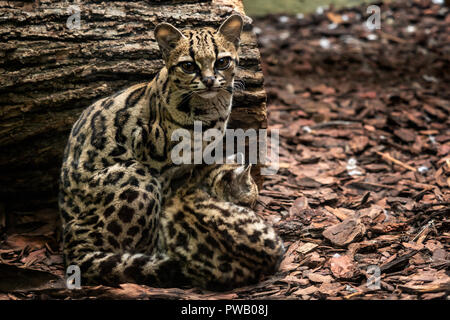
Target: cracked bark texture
49	73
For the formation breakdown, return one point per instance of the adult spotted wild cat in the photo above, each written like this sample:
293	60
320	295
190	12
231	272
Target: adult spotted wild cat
117	172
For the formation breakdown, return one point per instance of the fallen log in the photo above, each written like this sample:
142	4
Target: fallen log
57	57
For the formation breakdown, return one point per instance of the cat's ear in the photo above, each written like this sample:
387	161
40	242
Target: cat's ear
167	36
243	173
231	29
235	158
247	171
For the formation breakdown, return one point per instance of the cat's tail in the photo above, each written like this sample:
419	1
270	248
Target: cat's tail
99	267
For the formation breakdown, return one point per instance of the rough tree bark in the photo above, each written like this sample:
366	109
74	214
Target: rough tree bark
49	73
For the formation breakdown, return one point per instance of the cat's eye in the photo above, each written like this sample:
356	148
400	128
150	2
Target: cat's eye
188	66
223	63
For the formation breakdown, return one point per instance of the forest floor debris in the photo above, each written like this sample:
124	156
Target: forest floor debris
362	198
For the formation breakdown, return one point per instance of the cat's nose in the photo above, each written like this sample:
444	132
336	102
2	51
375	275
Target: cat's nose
208	81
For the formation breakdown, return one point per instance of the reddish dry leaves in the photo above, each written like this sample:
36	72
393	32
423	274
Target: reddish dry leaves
364	177
367	154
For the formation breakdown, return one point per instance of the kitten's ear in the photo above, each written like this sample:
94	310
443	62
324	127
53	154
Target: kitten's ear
243	172
231	29
235	158
167	36
247	171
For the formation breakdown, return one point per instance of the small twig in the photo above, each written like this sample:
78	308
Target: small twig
397	263
262	203
392	37
332	124
48	248
428	205
388	157
423	232
429	215
354	294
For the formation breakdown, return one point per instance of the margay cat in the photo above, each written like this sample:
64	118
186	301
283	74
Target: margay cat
221	244
117	176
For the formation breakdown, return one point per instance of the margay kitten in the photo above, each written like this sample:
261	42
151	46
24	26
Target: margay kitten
221	244
117	177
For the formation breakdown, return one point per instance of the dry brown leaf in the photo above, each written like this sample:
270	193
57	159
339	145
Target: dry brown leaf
298	206
315	277
294	280
306	291
345	232
307	247
330	289
342	267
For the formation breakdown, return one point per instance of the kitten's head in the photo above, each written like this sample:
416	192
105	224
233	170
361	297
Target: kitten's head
236	185
203	60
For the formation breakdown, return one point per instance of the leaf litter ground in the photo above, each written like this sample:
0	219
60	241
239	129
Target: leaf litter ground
363	187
